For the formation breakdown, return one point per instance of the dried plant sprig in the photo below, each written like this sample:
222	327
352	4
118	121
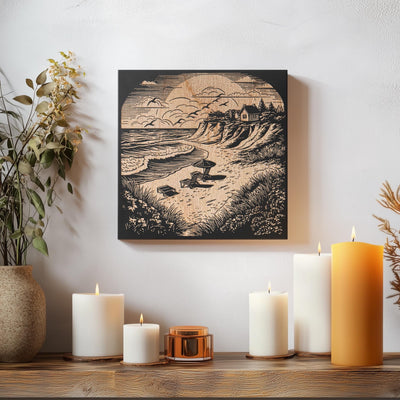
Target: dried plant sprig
391	200
37	146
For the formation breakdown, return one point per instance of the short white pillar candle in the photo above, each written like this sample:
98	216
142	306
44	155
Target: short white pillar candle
312	302
268	323
141	343
97	323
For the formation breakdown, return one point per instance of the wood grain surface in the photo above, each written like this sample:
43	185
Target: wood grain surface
228	375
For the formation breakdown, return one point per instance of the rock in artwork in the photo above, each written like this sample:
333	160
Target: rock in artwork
203	154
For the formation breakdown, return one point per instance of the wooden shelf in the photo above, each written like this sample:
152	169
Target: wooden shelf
228	375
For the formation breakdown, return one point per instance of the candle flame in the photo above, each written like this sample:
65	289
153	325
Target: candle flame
269	286
97	289
353	234
319	248
141	319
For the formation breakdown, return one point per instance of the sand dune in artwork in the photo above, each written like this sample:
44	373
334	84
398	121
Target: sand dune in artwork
211	196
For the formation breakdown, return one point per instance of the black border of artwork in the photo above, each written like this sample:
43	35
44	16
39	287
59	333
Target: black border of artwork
130	79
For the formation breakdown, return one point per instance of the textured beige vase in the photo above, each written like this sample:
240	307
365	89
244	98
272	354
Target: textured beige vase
22	314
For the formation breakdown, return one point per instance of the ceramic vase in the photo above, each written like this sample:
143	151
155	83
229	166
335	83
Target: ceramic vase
22	314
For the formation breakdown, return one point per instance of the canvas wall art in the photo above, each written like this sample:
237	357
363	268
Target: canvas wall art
202	154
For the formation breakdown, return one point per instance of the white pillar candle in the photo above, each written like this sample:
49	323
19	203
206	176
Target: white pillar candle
141	343
312	303
97	324
268	323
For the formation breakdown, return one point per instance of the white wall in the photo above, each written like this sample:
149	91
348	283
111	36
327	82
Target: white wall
344	140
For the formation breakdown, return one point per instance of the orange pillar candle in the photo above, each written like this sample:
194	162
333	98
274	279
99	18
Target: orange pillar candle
357	304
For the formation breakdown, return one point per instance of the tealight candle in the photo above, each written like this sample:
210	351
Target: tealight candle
97	321
312	302
141	343
268	323
357	303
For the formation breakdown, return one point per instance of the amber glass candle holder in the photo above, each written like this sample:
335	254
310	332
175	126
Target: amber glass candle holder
188	343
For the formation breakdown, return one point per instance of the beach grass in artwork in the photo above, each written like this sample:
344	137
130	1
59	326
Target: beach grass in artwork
203	155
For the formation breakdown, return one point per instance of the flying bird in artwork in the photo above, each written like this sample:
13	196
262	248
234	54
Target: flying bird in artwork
180	121
224	104
151	123
193	113
154	100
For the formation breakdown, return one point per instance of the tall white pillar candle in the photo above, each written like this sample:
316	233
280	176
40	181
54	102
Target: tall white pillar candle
141	343
97	324
312	303
268	323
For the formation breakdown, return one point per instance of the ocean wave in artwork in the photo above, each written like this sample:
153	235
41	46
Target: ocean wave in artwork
132	165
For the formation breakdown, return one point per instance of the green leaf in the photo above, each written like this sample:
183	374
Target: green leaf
25	168
28	230
48	182
32	221
47	158
2	138
29	82
41	78
9	223
16	235
3	201
69	153
69	186
61	171
59	210
54	146
12	154
33	145
40	245
50	197
23	99
46	89
37	202
42	107
38	183
31	158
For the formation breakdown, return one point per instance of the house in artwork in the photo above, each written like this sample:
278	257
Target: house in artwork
249	113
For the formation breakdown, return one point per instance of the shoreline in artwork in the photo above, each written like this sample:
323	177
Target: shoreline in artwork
133	165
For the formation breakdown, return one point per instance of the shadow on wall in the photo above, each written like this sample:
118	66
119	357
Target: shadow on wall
58	293
298	190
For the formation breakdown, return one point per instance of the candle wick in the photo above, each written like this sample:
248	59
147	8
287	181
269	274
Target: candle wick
353	240
269	290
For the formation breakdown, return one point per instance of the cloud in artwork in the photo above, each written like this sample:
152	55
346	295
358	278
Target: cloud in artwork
245	79
252	93
210	91
148	83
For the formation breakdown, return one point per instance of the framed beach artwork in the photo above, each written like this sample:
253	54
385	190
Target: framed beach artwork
202	154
